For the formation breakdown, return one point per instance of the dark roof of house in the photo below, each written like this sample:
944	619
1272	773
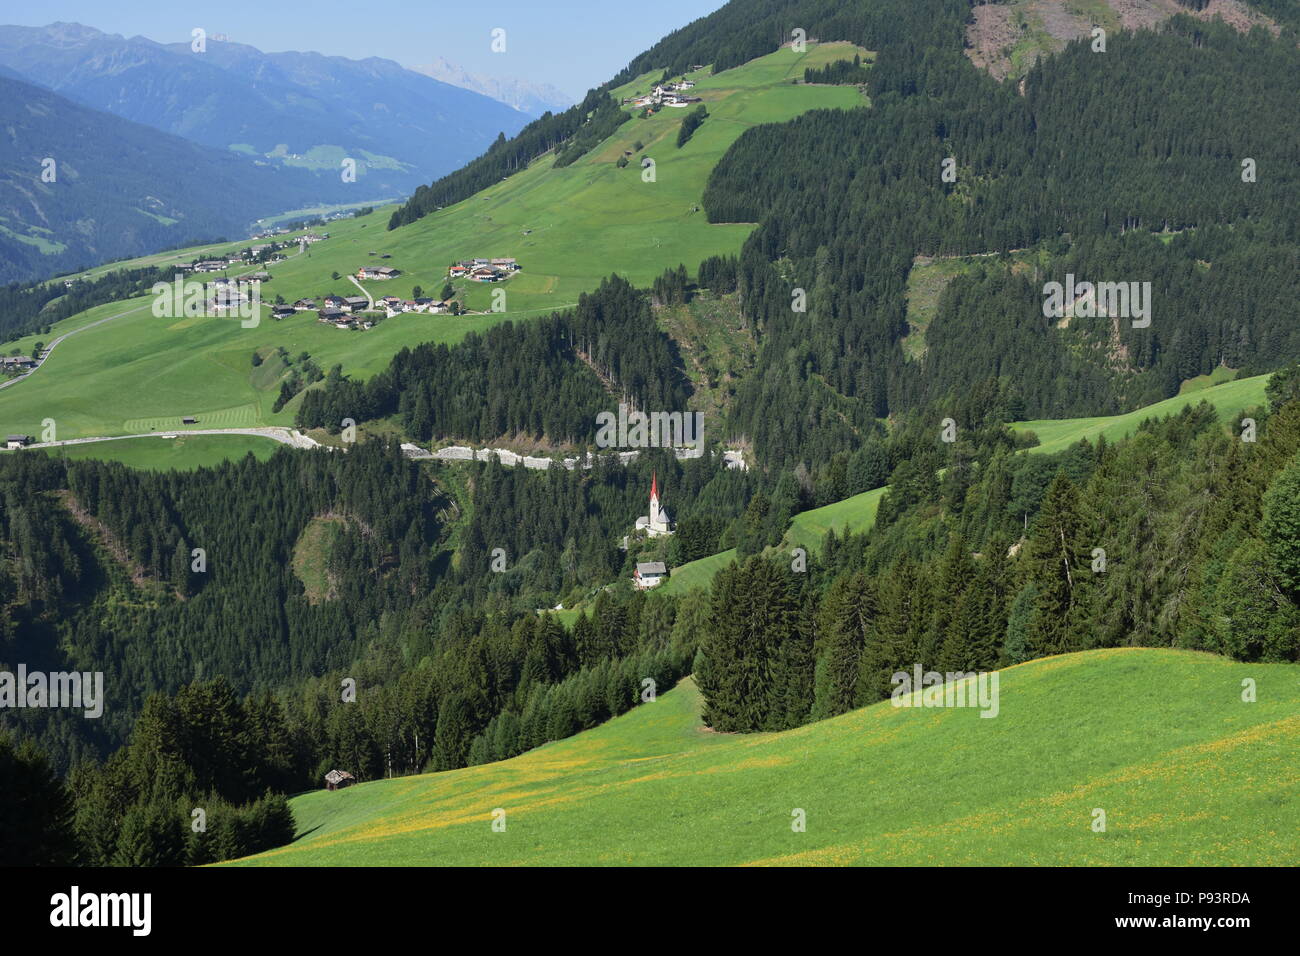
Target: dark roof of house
651	567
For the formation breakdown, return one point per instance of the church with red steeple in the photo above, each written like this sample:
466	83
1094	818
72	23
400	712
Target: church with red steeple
657	522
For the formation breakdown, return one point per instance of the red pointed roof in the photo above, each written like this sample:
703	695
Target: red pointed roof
654	485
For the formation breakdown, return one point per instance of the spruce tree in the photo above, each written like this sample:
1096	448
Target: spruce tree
1056	563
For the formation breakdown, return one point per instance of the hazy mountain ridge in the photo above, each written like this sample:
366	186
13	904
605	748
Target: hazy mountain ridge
119	187
401	127
533	99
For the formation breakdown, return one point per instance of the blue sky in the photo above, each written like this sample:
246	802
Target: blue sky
571	44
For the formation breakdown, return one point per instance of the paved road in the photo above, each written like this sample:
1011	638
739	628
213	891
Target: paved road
50	348
285	436
364	291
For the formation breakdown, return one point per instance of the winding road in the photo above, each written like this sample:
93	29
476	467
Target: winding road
285	436
50	348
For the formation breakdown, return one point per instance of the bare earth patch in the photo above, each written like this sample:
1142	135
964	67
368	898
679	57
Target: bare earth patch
992	33
988	38
1059	22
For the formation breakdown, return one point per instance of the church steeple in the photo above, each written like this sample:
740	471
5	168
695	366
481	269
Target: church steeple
657	522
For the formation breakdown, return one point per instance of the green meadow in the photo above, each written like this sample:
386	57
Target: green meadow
569	228
1160	740
1229	400
182	453
807	530
698	573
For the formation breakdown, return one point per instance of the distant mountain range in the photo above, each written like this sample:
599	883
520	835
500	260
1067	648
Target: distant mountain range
247	112
296	109
531	98
116	188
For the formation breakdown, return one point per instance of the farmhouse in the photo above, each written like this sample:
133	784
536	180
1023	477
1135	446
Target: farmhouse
282	311
335	302
17	361
17	441
305	305
649	574
356	303
224	297
330	314
378	272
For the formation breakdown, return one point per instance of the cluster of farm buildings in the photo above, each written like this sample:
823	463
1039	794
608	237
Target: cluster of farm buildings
667	94
483	270
347	312
225	294
259	253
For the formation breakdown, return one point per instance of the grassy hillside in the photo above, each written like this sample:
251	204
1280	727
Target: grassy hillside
183	453
807	529
1228	398
697	574
1187	773
568	228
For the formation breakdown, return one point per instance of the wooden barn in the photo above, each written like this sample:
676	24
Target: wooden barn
338	779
